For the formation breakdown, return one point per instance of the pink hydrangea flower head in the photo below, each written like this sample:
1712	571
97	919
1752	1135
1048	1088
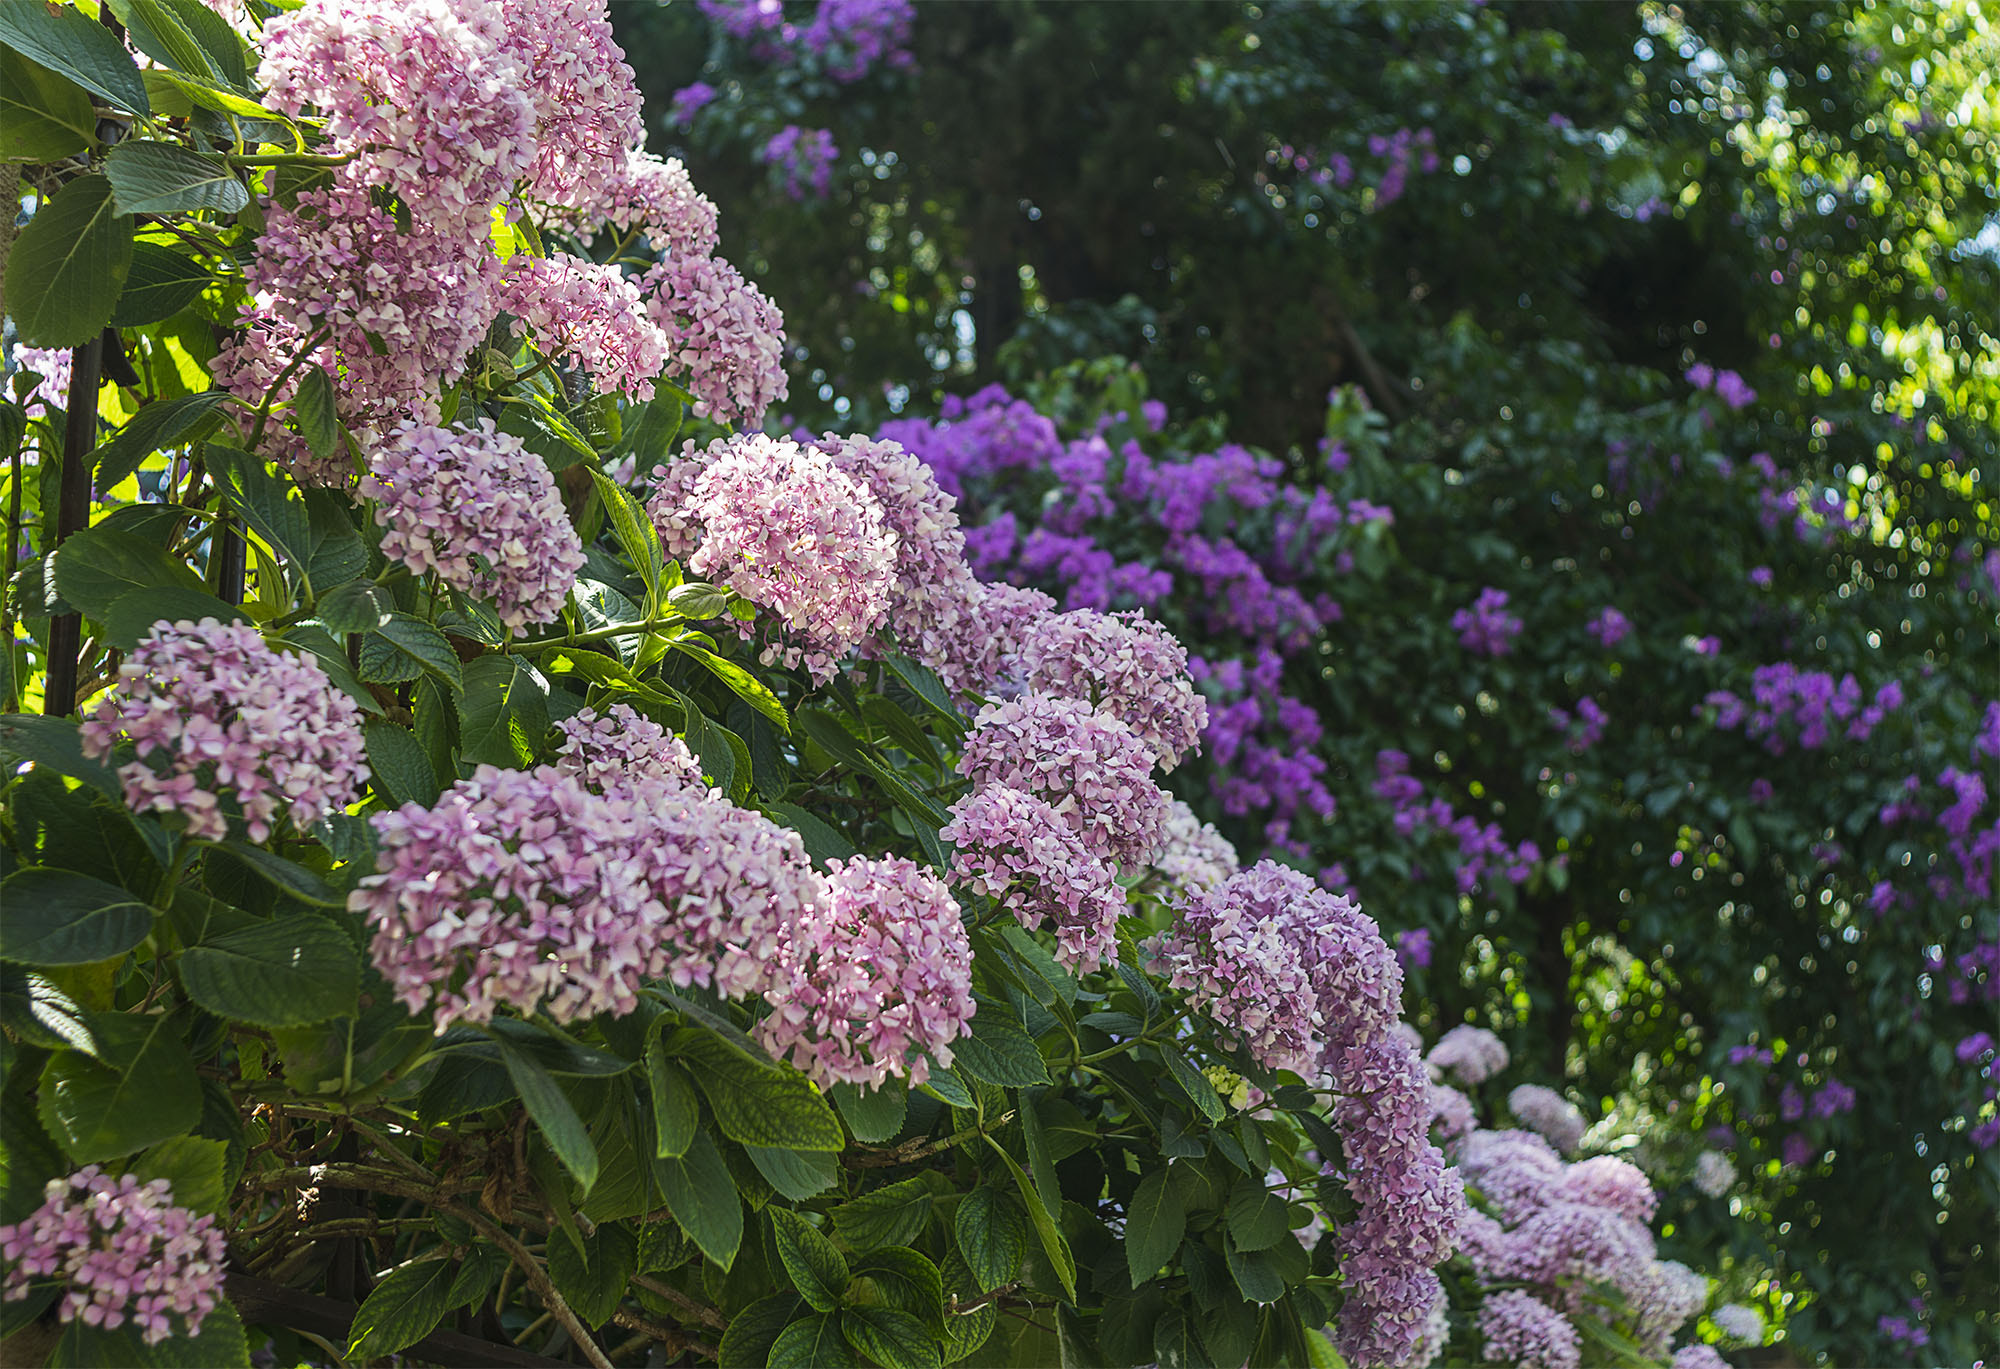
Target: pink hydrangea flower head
875	975
585	97
481	510
429	91
1089	768
1014	848
516	889
1123	664
930	574
589	312
1714	1173
1699	1356
1468	1055
1739	1322
787	529
1609	1182
656	195
728	339
1516	1172
1522	1330
613	751
52	364
1543	1110
213	711
1451	1112
974	640
126	1251
1192	853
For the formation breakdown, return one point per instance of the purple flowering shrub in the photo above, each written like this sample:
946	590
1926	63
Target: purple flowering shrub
1649	748
469	859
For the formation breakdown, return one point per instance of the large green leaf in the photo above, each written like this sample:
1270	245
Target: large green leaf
899	1277
165	178
1053	1244
69	265
71	43
504	713
892	1339
398	765
266	499
56	917
135	613
53	742
798	1174
140	1088
402	1309
890	1215
97	567
287	875
812	1342
1155	1222
161	283
594	1287
747	1343
403	648
634	532
319	423
999	1051
676	1108
746	686
992	1235
758	1105
703	1199
290	972
1258	1218
43	118
872	1114
1193	1083
816	1268
553	1113
1255	1272
193	1166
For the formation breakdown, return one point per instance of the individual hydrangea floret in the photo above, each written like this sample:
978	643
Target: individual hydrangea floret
590	312
516	889
1014	848
126	1250
481	510
213	711
872	978
1192	853
1547	1112
1468	1055
614	751
1522	1330
1088	767
1123	664
787	529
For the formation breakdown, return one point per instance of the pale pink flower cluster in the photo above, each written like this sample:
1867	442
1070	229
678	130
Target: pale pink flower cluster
1522	1330
212	711
619	750
1541	1109
591	312
1699	1356
52	364
729	338
655	194
1714	1173
1192	853
872	978
1124	665
1468	1055
481	510
127	1251
587	108
787	529
931	577
1090	768
1739	1322
1014	848
976	648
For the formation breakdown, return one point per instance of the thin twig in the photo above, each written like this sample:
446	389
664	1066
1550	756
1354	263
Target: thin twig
676	1341
537	1278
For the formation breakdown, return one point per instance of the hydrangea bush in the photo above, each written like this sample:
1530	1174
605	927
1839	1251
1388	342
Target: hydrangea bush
486	886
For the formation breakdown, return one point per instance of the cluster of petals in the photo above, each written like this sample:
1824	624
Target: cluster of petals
1698	1356
1468	1055
516	888
1013	848
1125	665
787	529
428	90
973	640
1740	1322
591	312
1193	855
585	98
125	1249
875	980
1090	768
623	748
213	710
728	338
479	509
1612	1183
1521	1329
655	195
1550	1115
1714	1174
53	365
930	572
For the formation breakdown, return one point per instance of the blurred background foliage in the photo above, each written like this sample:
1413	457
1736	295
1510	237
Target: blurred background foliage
1504	233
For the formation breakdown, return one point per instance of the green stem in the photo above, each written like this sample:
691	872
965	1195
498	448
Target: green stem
289	159
596	634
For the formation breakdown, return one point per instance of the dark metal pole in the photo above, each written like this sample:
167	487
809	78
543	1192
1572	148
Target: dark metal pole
73	515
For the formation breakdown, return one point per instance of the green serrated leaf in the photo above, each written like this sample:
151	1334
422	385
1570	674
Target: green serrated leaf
703	1198
69	264
892	1339
891	1215
999	1051
72	44
554	1114
747	1343
1155	1222
97	567
1258	1218
43	118
504	712
165	178
313	407
291	972
759	1105
798	1174
404	648
812	1342
992	1235
403	1309
56	917
139	1088
817	1270
193	1166
160	284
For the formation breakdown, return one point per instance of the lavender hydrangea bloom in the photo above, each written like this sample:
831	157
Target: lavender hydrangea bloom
1544	1110
1699	1357
1192	853
1739	1322
1468	1055
126	1251
1014	848
1522	1330
1124	665
212	711
1487	628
